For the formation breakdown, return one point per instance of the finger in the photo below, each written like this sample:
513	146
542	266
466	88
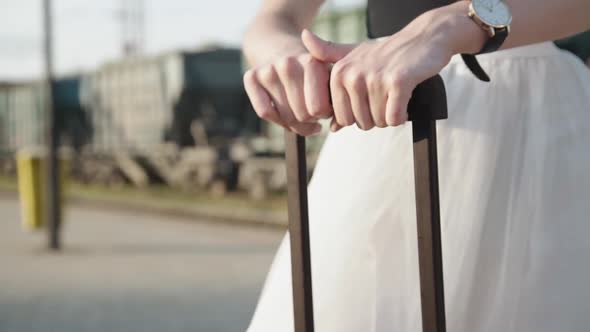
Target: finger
270	80
306	129
340	102
323	50
359	100
316	89
334	126
290	72
396	109
377	101
261	101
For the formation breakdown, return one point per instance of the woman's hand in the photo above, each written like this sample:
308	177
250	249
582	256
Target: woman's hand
292	92
372	83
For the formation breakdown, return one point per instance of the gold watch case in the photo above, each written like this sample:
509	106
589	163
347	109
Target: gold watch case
490	25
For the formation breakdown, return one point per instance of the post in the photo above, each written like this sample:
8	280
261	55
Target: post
299	232
429	104
53	213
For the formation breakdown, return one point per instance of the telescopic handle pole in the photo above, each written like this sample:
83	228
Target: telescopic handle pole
299	232
427	105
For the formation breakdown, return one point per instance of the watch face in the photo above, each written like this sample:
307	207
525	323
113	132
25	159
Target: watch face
492	12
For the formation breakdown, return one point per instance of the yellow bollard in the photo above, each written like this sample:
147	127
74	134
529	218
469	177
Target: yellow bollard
32	187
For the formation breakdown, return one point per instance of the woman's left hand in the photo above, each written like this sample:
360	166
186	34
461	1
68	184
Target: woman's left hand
371	83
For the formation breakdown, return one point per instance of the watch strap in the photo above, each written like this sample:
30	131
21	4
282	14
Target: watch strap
471	62
491	45
495	42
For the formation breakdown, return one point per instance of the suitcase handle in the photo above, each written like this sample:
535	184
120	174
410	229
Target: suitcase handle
428	104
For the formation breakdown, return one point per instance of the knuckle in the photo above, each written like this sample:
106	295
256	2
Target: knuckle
289	118
354	80
307	60
338	72
363	126
265	113
267	74
287	65
302	116
380	121
317	112
346	121
249	77
373	81
299	130
396	119
393	82
398	81
317	108
381	124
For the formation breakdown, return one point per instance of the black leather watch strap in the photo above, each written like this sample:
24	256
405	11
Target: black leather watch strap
475	67
493	44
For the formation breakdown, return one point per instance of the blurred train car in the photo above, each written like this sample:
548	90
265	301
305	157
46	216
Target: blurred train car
181	118
23	119
174	118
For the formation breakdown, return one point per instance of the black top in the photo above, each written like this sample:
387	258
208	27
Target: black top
578	44
386	17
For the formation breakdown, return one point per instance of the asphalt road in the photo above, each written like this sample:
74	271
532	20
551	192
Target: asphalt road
130	272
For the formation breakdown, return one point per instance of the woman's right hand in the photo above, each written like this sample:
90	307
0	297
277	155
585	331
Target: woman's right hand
292	91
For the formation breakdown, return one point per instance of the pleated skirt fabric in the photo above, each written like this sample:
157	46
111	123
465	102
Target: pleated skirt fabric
514	169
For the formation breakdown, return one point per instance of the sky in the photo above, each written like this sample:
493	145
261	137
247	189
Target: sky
88	32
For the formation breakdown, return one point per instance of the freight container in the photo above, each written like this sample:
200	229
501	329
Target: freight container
170	118
139	103
23	115
26	117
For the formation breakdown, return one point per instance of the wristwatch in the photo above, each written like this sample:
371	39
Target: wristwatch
494	17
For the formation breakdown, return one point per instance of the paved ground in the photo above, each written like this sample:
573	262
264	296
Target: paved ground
130	272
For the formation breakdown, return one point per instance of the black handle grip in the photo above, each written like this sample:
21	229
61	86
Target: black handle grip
429	101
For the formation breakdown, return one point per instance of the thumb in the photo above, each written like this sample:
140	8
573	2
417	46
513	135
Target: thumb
324	50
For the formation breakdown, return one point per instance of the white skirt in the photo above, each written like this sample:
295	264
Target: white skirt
514	167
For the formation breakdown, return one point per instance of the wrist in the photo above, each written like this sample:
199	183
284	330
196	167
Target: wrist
259	51
464	35
271	38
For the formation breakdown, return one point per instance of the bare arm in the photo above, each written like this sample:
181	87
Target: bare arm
376	92
542	20
286	85
277	28
288	82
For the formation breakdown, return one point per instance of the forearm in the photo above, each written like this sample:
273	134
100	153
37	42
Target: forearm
536	21
271	36
276	31
533	21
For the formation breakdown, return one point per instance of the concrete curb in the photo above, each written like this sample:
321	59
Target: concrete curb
237	216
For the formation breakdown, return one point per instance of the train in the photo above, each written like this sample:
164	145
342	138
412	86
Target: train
174	118
180	118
